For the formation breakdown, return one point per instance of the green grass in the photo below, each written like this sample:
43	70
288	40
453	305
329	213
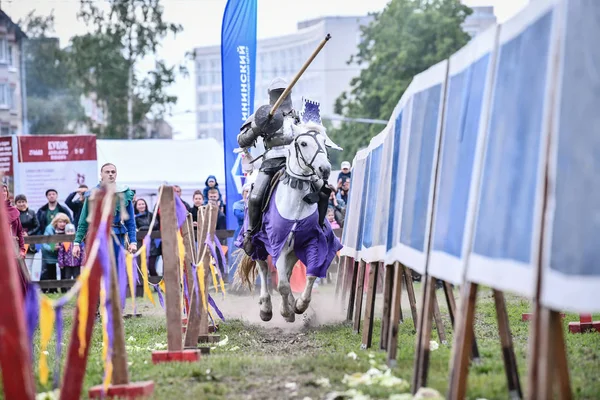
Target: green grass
259	362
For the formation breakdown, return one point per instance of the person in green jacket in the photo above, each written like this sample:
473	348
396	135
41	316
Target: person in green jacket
123	224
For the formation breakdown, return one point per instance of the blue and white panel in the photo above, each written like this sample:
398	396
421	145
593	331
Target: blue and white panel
507	232
463	133
419	181
399	139
373	242
571	255
355	206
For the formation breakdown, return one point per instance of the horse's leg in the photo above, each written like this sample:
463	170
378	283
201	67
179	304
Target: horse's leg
266	309
285	263
303	301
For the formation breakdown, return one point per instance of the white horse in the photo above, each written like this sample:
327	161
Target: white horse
292	227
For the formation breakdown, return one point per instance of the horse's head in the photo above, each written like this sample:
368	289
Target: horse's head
308	152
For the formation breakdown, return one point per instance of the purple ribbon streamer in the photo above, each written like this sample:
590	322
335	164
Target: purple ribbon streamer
136	271
213	253
196	292
221	252
160	296
32	311
59	334
106	272
122	272
180	211
157	242
211	301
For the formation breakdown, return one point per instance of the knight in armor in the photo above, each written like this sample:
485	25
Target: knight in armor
276	132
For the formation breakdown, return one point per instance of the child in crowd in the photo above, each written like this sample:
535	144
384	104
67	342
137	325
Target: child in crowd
50	250
331	218
70	266
344	174
211	183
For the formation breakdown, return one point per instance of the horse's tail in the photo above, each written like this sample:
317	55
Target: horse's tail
246	272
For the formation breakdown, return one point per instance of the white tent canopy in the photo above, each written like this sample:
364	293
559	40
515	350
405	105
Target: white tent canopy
144	165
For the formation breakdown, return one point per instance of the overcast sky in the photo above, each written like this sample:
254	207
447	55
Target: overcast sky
201	20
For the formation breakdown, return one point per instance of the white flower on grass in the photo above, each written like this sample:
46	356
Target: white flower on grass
160	346
234	348
352	355
223	342
46	353
291	385
429	394
323	382
131	339
433	345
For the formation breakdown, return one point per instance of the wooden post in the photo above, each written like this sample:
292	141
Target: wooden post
508	351
211	215
410	290
340	276
358	300
437	316
396	304
352	291
367	336
120	374
168	232
193	322
75	366
15	352
463	337
388	287
424	335
451	301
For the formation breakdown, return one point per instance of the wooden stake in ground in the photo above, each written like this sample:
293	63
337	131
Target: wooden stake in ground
212	213
352	279
358	298
395	303
168	233
15	355
367	336
193	320
386	318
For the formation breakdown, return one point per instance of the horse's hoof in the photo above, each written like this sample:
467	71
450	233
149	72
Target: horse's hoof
266	315
290	318
300	306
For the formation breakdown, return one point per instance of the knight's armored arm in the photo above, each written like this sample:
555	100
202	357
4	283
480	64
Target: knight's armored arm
248	133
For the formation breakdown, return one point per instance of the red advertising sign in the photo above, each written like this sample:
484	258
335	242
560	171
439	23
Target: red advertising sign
6	156
57	148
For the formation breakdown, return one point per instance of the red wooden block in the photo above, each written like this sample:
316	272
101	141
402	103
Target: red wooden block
584	327
134	390
175	356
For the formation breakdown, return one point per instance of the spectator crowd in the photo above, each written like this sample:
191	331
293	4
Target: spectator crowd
54	218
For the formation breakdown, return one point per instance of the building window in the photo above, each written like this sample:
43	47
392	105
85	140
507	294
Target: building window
203	133
10	55
217	133
216	98
203	116
4	95
3	50
5	131
217	115
11	97
13	131
202	98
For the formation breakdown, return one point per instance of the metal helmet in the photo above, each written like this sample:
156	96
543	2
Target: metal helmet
276	88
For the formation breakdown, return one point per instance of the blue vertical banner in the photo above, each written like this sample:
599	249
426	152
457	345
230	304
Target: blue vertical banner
238	60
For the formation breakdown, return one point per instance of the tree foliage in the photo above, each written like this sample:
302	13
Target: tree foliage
406	38
53	105
125	32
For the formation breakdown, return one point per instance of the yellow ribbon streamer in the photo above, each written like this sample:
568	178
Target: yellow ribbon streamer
222	283
47	318
162	286
181	248
214	276
82	307
147	290
200	273
129	266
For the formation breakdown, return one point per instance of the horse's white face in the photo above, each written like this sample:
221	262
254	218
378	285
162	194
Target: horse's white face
308	153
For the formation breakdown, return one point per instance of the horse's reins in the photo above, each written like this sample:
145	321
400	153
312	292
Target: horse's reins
300	156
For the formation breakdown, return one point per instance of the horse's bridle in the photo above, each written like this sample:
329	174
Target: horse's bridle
300	156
